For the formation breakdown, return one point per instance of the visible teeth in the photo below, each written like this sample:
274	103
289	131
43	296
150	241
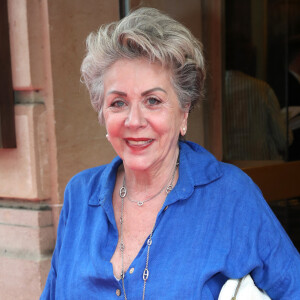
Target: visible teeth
138	143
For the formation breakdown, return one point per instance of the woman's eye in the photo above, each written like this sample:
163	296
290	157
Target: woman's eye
153	101
118	103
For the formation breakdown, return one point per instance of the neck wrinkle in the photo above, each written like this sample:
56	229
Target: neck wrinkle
148	183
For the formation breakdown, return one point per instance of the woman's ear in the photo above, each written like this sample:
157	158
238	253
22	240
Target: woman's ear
183	128
107	135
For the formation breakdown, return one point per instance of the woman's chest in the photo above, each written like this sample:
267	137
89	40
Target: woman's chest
135	225
130	242
191	248
180	262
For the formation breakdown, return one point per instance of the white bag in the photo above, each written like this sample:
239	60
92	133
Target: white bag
242	289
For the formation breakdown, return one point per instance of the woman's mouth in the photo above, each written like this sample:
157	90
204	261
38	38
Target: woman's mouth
138	142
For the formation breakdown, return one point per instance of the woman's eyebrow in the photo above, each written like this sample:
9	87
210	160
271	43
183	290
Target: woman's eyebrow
117	92
143	93
153	90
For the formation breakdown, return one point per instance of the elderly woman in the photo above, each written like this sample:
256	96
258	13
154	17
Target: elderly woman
165	219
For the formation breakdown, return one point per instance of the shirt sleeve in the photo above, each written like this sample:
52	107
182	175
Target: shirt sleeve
49	290
259	246
279	271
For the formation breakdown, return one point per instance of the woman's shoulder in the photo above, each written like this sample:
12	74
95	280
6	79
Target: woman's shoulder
239	189
90	181
203	163
221	179
85	177
234	175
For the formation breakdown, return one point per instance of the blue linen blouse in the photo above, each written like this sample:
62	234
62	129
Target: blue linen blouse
214	225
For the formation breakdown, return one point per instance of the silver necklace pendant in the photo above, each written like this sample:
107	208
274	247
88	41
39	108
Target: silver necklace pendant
123	192
122	275
169	188
122	247
145	274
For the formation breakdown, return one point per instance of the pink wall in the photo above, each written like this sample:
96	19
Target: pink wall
57	133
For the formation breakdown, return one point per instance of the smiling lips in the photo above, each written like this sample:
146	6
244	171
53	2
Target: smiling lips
138	142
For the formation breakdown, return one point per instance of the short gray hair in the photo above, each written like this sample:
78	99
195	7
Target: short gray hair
146	33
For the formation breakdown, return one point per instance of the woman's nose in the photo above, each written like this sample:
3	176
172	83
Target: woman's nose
135	117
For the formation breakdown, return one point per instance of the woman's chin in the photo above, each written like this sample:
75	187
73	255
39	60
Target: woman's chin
137	163
136	167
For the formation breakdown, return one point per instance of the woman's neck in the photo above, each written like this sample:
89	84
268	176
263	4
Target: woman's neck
146	183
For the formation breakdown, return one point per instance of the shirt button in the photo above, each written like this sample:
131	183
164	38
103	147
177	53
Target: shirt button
166	208
131	270
118	292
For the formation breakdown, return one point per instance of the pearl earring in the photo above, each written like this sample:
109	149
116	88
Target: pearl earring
183	131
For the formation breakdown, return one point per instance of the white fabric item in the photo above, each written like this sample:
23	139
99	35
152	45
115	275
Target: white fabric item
247	290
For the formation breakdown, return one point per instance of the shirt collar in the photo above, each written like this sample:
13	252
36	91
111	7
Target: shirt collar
196	167
105	185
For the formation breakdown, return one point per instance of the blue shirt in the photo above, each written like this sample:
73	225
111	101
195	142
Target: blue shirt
214	225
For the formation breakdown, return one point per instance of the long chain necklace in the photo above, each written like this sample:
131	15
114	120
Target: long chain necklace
123	193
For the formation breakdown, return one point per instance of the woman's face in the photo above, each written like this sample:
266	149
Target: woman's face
142	114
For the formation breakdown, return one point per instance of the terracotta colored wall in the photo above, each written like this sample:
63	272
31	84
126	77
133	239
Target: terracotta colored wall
57	133
26	228
24	171
81	142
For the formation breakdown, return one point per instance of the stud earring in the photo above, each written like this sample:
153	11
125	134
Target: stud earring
107	136
183	131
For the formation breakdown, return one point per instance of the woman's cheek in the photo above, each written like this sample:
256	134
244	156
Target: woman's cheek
111	123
